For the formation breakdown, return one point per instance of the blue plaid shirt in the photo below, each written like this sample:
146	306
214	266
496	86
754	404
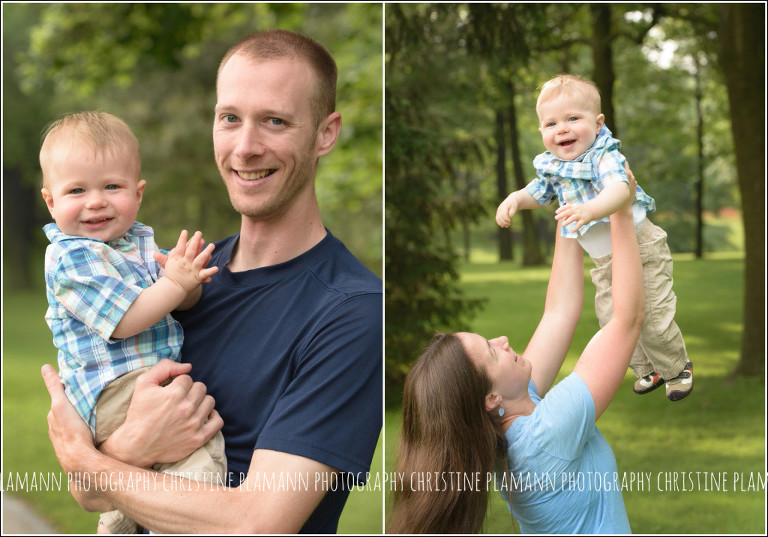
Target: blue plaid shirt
582	179
90	285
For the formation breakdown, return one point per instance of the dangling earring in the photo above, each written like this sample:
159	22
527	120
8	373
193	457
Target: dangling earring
501	411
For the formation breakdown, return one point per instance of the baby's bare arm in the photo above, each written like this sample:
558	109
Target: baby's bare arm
516	201
184	273
605	204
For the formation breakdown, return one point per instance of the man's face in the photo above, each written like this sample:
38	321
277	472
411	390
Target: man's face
264	135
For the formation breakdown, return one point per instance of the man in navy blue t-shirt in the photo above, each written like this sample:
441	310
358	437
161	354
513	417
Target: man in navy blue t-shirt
287	337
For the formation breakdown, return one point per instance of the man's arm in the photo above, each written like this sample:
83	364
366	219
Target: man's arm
605	204
169	504
261	504
562	310
179	287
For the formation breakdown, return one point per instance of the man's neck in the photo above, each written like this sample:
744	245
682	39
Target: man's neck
268	242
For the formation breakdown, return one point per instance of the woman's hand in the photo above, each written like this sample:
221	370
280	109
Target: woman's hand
632	185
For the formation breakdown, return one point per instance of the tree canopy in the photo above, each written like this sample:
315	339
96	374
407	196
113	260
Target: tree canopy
154	65
461	86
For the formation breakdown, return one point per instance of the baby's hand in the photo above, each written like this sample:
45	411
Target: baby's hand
577	213
506	211
185	264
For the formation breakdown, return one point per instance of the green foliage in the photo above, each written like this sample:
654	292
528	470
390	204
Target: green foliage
155	66
447	72
426	153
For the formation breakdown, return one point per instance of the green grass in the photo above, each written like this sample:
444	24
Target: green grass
719	428
27	453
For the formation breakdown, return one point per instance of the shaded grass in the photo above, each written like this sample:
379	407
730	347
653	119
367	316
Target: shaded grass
28	455
717	432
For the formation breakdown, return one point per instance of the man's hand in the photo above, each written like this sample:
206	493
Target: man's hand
68	432
164	423
72	443
185	264
507	210
575	213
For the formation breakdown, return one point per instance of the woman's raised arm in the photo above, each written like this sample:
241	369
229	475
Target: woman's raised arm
562	310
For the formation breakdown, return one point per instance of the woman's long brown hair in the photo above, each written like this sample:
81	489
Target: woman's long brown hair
447	433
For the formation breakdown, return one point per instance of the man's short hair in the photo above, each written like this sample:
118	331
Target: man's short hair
570	84
278	44
103	131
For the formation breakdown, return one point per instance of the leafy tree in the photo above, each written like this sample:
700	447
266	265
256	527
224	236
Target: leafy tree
730	35
742	60
425	153
155	66
496	34
22	215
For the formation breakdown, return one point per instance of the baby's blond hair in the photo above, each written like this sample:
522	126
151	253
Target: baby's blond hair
103	131
570	84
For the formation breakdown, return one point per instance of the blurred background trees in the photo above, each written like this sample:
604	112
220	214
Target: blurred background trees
154	65
680	83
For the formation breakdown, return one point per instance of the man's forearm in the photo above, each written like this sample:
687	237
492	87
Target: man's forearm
169	504
160	502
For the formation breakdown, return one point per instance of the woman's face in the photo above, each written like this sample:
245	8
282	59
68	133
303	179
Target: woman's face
509	372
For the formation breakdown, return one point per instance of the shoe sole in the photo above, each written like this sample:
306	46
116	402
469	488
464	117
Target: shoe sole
676	396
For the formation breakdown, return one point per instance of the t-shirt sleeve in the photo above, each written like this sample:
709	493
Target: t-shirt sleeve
542	190
92	290
331	410
566	418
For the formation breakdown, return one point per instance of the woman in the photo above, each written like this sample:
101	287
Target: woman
473	405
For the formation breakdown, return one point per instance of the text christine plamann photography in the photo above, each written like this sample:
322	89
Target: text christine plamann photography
676	482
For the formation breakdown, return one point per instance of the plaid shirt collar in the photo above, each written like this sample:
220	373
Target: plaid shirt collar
138	229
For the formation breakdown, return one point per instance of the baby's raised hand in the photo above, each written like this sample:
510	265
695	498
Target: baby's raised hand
185	264
506	211
575	213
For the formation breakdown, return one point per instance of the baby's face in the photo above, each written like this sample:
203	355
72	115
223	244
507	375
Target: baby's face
91	193
568	125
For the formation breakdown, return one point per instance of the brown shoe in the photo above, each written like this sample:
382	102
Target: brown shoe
680	386
647	383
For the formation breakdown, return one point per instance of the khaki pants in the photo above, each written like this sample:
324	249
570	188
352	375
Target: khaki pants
207	464
660	347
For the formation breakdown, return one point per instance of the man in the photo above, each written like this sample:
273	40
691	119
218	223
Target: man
287	337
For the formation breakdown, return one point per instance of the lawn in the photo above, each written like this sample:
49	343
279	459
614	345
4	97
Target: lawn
701	452
30	469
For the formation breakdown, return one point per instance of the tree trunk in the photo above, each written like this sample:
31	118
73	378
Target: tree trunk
19	223
700	163
466	239
742	59
602	58
531	249
505	234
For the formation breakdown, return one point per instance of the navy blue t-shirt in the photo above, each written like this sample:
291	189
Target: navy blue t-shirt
292	354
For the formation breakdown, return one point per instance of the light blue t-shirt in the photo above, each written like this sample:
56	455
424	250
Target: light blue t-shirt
562	473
